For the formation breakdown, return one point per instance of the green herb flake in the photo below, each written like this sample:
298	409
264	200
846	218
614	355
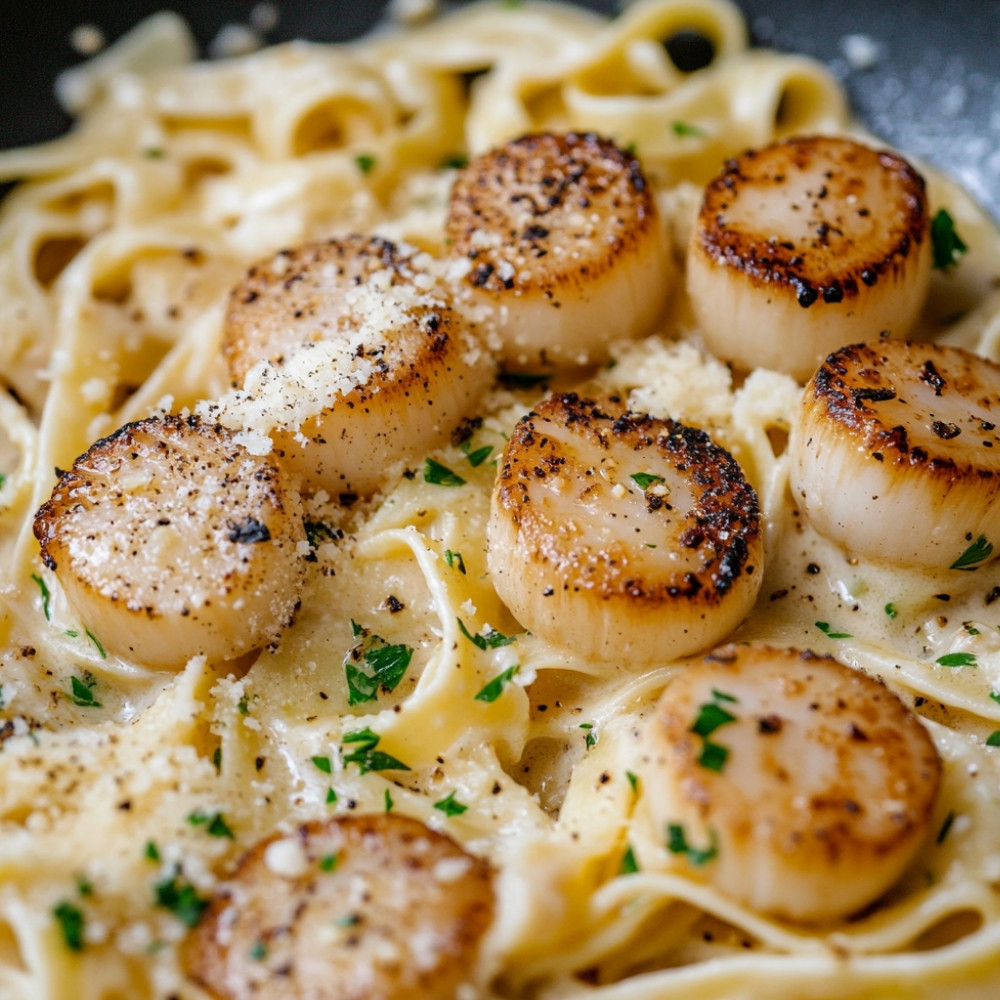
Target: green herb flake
710	716
713	756
331	796
890	610
945	827
214	823
971	629
151	852
217	758
591	736
181	899
71	923
348	920
388	801
646	479
993	740
153	153
947	245
677	844
454	162
317	533
523	380
81	691
455	560
322	764
450	806
328	862
374	665
629	865
492	639
83	886
686	128
97	642
46	596
243	707
957	660
440	475
259	951
366	162
477	457
830	632
633	780
493	690
979	551
366	756
995	696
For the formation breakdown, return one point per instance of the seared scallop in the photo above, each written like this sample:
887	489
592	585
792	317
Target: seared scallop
351	359
791	782
372	907
804	246
557	239
622	536
171	540
895	453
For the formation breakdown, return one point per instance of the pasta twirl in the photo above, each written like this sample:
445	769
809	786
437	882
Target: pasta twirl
128	795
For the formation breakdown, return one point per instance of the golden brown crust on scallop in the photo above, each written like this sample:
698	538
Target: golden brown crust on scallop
176	540
539	193
841	244
363	907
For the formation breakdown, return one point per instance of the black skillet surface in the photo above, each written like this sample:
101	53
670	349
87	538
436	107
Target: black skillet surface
929	81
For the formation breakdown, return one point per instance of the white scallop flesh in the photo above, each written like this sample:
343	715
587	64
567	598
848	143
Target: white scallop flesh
622	537
796	785
351	359
556	241
895	453
170	540
806	245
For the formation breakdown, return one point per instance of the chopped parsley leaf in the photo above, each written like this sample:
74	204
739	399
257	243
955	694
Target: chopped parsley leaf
153	153
97	642
686	128
454	162
181	899
151	852
477	457
331	795
259	951
629	865
242	707
645	479
947	245
348	920
677	844
890	610
328	862
830	632
366	162
591	737
214	823
486	640
713	756
82	691
322	764
317	532
46	596
945	827
83	886
455	560
710	716
440	475
450	806
523	380
373	665
366	756
957	660
71	922
388	801
633	780
980	550
993	740
493	690
995	696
